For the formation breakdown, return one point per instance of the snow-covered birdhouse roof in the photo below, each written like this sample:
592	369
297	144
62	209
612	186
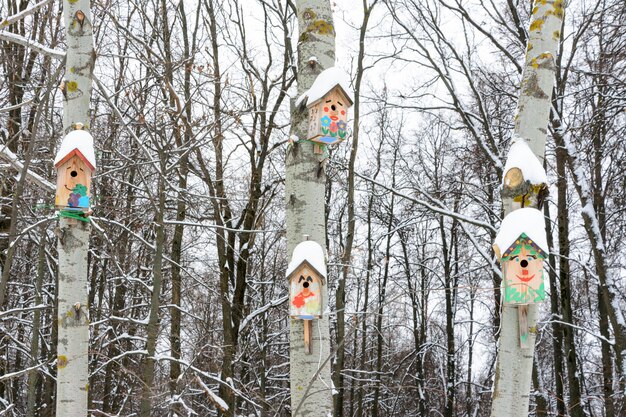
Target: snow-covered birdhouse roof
526	221
325	83
79	143
309	252
522	157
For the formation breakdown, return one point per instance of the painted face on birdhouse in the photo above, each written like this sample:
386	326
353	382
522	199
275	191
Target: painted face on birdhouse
523	274
305	295
333	117
73	182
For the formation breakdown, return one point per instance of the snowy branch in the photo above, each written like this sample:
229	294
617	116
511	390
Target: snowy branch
12	159
28	43
26	12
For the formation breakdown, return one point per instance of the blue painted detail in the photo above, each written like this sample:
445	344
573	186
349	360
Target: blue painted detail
83	202
306	317
328	139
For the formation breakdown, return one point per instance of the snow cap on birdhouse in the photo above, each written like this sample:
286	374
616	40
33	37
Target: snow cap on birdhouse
521	246
524	180
75	163
328	101
306	274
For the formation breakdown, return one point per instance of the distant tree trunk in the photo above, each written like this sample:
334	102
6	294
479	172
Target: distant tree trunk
513	376
418	316
148	371
366	291
569	344
557	334
607	362
182	139
541	408
450	283
305	184
347	254
33	376
382	294
73	320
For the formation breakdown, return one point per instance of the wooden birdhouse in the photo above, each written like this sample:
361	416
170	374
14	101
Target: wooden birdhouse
521	247
328	101
75	163
525	180
306	275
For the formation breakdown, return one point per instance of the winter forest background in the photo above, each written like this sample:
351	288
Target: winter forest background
192	101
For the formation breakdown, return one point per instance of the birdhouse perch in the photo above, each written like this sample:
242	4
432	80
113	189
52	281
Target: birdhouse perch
75	163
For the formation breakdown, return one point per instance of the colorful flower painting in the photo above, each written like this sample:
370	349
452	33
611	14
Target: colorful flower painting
78	197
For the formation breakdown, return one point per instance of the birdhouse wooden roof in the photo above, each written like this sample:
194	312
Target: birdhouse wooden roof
309	253
306	264
526	223
522	157
77	143
326	82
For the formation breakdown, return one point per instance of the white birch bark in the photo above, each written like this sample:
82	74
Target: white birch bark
304	190
73	246
514	365
73	320
80	59
535	100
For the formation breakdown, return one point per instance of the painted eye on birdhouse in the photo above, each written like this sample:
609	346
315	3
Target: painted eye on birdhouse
75	163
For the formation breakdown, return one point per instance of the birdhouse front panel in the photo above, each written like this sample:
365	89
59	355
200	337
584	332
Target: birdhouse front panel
305	293
328	116
73	184
522	265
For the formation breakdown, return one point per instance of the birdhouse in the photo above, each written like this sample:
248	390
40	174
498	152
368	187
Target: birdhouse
328	101
75	163
521	247
306	275
525	180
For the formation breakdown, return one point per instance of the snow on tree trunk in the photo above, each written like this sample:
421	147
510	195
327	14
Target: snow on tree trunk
305	195
73	320
514	365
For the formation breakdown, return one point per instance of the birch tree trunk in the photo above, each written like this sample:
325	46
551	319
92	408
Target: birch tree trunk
305	184
73	320
514	365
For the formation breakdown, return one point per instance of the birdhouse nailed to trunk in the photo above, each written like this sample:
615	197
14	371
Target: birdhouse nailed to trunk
306	275
521	246
328	101
75	163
